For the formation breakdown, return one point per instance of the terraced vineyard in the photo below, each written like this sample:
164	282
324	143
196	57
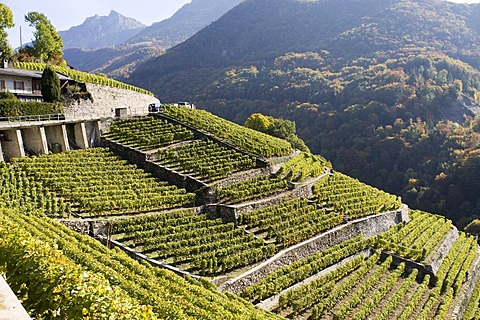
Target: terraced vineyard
98	183
111	284
303	166
250	189
365	284
18	190
330	256
418	238
248	139
147	133
204	160
290	222
191	242
353	198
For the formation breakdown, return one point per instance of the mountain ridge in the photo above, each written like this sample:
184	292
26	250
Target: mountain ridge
101	31
149	41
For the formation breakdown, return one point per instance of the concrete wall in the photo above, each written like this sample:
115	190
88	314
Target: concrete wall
368	227
35	139
57	134
81	135
13	148
10	307
106	100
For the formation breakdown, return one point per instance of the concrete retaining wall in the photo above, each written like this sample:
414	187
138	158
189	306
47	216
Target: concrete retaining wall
368	227
10	307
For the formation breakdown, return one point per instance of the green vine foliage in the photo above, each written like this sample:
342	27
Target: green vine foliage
250	140
58	288
81	76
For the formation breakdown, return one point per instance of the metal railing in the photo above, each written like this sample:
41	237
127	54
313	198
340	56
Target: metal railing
73	115
40	117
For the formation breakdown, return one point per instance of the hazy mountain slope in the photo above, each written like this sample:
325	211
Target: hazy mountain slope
189	19
381	88
120	60
116	62
101	31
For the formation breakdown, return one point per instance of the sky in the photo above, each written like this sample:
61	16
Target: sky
67	13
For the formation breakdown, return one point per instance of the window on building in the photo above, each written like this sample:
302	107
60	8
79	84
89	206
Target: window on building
2	86
18	85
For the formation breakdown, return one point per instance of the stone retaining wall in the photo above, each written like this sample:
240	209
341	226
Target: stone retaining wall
368	227
139	158
436	260
141	257
106	99
201	134
409	265
231	213
465	293
89	227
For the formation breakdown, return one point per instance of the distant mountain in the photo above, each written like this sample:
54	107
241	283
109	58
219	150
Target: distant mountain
101	31
120	60
388	90
188	20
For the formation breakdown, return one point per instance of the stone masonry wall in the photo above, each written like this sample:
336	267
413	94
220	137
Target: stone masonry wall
230	213
106	99
368	227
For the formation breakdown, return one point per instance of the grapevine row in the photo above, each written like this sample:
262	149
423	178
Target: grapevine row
248	139
103	186
204	160
358	294
417	238
194	241
303	166
147	133
17	190
290	222
169	296
253	188
353	198
306	296
287	276
81	76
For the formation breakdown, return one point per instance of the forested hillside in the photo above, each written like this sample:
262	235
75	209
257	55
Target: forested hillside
386	90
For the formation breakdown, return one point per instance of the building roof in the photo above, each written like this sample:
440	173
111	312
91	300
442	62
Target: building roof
28	73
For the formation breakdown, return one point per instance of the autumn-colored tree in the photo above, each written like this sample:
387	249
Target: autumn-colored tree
259	122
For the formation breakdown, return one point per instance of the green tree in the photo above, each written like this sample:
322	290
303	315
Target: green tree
259	122
6	22
48	43
50	84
